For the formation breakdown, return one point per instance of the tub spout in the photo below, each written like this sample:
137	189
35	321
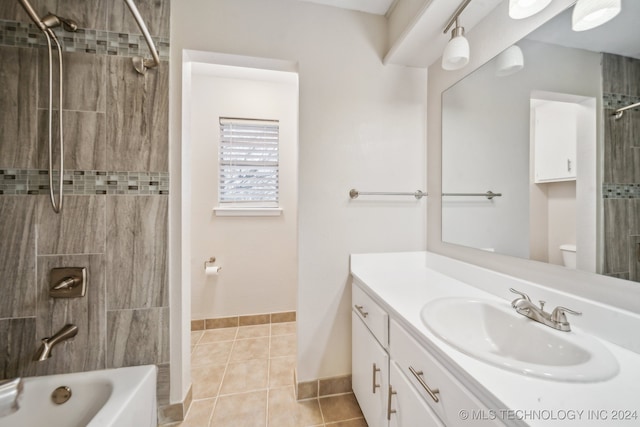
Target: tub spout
10	391
44	352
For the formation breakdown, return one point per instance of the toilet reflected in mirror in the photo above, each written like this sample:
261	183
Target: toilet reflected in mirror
568	255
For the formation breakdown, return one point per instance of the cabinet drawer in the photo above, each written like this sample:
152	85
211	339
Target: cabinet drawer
373	316
444	393
406	408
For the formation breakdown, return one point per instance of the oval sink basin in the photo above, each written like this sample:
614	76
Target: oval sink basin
496	334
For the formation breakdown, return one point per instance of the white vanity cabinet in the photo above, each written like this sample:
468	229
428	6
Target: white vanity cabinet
397	382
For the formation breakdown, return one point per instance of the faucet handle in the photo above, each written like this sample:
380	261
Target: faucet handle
522	294
558	315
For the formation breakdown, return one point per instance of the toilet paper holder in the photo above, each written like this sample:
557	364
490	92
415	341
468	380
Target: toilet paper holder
210	261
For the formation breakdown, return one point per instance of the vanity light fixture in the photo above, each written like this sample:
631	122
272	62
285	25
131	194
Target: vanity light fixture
588	14
510	61
520	9
456	53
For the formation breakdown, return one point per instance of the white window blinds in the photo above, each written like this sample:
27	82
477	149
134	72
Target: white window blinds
249	162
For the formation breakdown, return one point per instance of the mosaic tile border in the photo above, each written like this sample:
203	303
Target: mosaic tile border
621	191
23	34
77	182
616	100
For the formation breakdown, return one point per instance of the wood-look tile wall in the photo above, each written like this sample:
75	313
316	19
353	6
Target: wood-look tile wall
116	120
621	175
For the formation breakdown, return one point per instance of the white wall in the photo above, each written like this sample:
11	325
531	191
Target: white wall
257	253
361	125
490	37
561	211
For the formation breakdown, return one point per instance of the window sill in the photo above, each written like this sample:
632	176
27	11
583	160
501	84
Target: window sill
247	211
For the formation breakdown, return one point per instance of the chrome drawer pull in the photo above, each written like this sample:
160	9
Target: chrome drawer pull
418	375
375	386
389	410
361	311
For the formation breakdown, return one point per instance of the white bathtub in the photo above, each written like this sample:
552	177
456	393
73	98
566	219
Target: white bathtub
114	397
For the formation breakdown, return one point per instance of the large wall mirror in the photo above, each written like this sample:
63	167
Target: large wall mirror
535	128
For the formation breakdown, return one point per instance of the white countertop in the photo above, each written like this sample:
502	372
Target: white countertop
402	284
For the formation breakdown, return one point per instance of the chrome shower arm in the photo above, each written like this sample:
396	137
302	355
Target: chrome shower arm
139	63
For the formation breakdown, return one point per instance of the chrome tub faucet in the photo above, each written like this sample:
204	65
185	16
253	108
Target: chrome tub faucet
44	352
557	319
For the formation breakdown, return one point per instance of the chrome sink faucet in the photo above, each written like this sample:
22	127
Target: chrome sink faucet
557	319
44	352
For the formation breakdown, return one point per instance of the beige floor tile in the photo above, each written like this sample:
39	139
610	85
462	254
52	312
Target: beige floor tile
206	380
340	408
252	348
284	411
195	337
238	364
283	345
241	410
216	335
360	422
254	331
199	413
283	328
211	354
281	371
245	376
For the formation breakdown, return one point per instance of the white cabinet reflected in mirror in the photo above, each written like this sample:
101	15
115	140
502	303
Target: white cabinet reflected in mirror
544	137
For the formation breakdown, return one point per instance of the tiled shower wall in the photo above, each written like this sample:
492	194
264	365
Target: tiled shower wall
114	218
621	188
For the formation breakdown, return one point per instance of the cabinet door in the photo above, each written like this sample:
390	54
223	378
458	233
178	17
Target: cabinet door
370	373
406	407
555	138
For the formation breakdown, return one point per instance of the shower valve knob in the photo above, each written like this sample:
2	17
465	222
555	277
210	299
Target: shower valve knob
68	282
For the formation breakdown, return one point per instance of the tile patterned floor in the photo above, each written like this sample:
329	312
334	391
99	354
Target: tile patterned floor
243	377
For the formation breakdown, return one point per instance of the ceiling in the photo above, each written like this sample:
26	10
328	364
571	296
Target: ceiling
621	35
423	43
377	7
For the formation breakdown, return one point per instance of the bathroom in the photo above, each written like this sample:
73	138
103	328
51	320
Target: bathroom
363	127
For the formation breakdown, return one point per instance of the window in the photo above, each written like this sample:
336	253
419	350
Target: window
248	163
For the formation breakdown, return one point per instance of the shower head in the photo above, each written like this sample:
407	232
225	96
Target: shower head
52	21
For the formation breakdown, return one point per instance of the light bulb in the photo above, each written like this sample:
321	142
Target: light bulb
456	53
520	9
588	14
510	61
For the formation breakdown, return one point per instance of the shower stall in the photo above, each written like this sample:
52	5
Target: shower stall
114	219
621	174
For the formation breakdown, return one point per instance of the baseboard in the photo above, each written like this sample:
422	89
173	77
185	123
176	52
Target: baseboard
175	412
322	387
234	321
